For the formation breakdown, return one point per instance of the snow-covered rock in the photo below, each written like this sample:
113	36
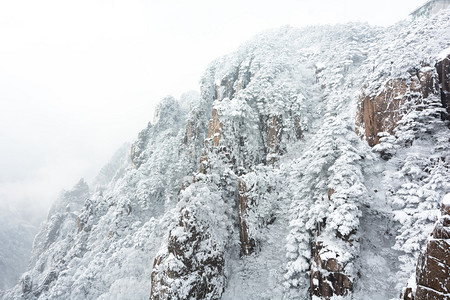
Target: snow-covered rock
432	278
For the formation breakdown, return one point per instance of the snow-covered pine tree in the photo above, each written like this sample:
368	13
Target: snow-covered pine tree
326	212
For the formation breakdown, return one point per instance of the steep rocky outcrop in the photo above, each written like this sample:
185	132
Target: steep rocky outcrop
380	110
443	69
214	131
248	244
191	129
185	270
191	264
433	266
432	278
214	128
226	135
328	276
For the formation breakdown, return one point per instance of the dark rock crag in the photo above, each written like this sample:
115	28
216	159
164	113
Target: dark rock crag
328	276
433	265
247	243
443	70
382	111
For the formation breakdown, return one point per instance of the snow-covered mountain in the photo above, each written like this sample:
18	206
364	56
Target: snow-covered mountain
312	165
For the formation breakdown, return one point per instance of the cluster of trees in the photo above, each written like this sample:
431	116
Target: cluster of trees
419	158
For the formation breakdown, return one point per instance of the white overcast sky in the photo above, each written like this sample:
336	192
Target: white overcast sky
79	78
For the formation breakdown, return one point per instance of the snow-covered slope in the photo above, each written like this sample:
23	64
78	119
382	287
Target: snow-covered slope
265	186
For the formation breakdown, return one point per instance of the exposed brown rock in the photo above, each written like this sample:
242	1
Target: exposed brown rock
381	113
423	293
192	132
328	277
192	261
443	70
330	193
442	232
80	227
215	128
233	82
431	272
247	244
159	284
433	266
408	295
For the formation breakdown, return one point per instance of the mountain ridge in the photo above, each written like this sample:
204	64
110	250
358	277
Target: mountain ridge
266	186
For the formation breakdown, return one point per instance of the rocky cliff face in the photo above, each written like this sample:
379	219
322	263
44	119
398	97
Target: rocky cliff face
433	266
262	187
443	69
431	280
381	113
